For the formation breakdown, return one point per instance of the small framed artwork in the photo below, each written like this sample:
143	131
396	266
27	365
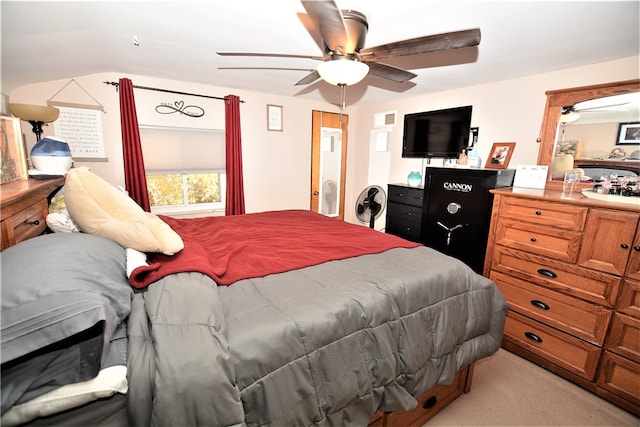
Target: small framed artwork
501	153
628	133
12	150
274	117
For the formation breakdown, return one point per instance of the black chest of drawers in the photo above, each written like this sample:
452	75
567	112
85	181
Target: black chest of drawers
404	211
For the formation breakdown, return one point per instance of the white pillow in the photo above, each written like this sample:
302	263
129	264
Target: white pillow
61	222
100	208
109	381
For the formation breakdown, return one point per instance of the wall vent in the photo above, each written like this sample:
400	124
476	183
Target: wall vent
385	119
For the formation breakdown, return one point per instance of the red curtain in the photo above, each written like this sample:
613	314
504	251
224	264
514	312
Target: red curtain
235	187
135	180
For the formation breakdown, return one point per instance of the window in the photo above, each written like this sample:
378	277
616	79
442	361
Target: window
184	169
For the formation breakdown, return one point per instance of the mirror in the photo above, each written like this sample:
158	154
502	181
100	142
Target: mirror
330	153
328	160
555	122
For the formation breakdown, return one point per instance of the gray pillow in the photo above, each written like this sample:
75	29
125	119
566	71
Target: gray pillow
58	285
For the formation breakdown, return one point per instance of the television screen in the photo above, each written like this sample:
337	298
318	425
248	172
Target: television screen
441	133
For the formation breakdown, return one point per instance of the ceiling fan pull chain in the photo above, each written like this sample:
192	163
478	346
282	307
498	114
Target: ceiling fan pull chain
343	97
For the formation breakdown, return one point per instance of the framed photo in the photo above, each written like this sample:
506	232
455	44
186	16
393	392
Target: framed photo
12	150
628	133
274	117
501	153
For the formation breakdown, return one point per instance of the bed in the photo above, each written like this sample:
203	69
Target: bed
259	333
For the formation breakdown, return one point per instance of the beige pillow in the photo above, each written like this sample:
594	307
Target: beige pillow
100	208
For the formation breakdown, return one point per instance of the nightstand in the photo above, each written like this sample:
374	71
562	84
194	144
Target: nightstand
24	206
404	211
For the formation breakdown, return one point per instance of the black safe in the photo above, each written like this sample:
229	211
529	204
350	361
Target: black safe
456	211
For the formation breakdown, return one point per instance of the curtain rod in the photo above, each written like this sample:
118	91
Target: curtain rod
116	84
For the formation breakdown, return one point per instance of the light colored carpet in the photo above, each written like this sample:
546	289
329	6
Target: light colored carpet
508	390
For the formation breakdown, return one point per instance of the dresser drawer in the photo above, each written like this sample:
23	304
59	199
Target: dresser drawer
562	349
429	404
584	283
397	211
542	240
25	224
621	377
587	321
406	195
629	298
544	213
624	337
409	230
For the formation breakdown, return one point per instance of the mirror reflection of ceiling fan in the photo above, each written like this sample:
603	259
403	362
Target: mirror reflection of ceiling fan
346	61
614	107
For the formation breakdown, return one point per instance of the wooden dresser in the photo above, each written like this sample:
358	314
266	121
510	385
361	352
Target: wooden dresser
570	271
24	207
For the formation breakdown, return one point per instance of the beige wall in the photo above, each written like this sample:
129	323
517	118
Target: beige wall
505	111
599	139
277	164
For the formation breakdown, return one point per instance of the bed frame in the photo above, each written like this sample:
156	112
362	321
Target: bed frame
430	403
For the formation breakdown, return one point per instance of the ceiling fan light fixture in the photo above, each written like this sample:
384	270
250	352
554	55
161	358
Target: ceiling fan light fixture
569	117
343	71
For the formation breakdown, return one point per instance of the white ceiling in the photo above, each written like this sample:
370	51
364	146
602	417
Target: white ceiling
50	40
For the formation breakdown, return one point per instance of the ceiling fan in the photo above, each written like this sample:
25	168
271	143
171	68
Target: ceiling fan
576	109
630	102
346	61
571	113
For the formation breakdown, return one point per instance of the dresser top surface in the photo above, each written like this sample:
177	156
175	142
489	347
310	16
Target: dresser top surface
575	197
13	191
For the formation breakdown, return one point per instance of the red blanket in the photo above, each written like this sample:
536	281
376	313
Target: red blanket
238	247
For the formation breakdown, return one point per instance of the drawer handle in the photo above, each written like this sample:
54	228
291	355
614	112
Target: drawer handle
636	248
624	246
533	239
538	213
533	337
36	222
547	273
430	403
539	304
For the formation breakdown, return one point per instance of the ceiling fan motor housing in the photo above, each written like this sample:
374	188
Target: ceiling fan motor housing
356	26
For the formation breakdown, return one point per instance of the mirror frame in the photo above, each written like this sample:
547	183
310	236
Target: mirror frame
556	99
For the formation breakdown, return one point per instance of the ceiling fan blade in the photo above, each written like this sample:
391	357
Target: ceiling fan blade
600	107
266	68
328	19
271	55
311	29
388	72
310	78
426	44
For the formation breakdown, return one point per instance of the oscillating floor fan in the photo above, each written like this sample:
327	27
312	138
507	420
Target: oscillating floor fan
370	204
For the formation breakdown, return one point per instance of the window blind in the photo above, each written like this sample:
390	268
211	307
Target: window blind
182	148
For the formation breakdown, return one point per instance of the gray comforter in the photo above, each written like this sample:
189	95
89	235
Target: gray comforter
323	345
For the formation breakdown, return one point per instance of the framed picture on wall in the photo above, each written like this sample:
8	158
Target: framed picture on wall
501	153
628	133
274	117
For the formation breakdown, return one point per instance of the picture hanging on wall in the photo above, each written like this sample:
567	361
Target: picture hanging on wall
628	133
274	117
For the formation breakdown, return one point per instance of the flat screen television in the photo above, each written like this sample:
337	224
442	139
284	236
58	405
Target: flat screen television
440	133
